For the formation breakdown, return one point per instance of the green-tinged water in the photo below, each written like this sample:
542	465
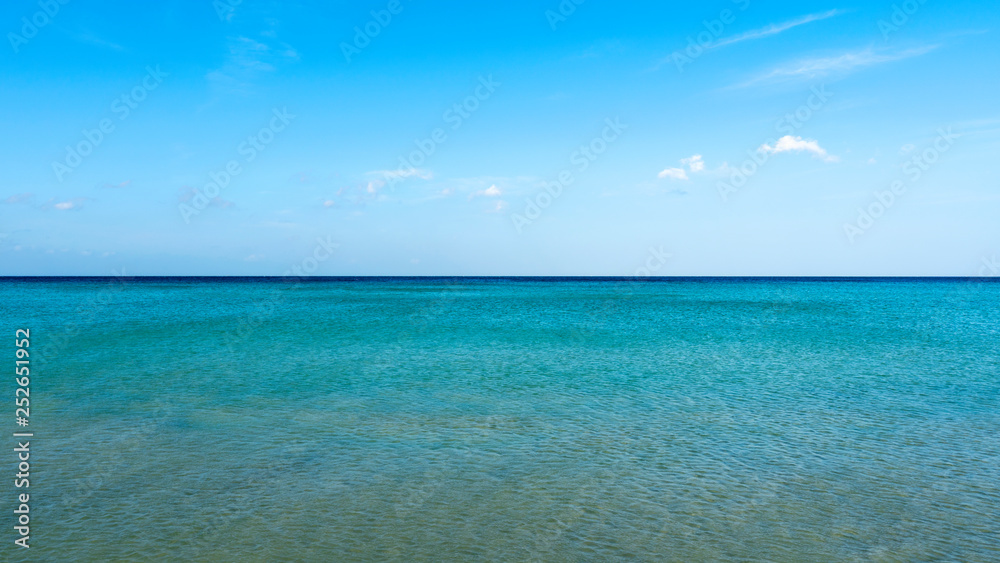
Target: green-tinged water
459	420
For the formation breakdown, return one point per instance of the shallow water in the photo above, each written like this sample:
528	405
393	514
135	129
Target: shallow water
429	420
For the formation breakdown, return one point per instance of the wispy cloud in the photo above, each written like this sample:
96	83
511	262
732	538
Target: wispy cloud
403	173
492	191
987	126
378	178
248	58
602	48
19	198
838	64
75	203
247	53
775	28
100	42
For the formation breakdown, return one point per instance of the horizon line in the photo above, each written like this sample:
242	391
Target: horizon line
496	277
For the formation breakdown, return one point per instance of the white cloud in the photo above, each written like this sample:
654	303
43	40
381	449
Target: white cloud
774	29
64	205
789	143
675	173
492	191
694	162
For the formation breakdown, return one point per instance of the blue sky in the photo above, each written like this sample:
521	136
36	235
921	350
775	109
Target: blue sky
516	138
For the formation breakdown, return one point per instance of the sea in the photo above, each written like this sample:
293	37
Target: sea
506	419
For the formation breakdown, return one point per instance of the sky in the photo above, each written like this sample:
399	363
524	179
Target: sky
581	137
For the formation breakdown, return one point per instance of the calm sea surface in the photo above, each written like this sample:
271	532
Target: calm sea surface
503	420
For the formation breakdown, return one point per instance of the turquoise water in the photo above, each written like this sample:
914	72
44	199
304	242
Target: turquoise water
430	420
